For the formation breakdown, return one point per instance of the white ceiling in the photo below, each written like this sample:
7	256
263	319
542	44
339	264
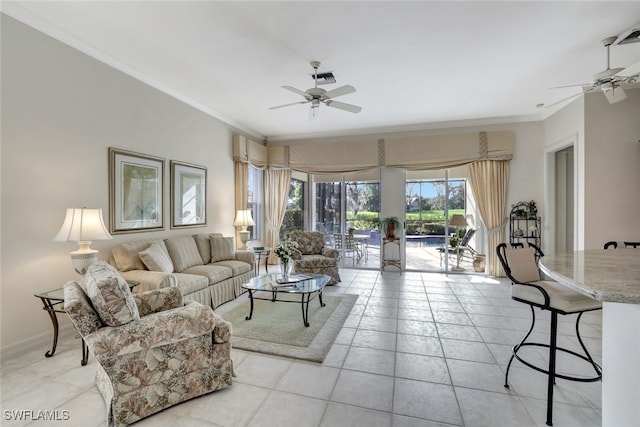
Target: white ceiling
414	64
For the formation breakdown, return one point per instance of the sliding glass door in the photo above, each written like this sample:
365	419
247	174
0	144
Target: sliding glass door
433	200
347	211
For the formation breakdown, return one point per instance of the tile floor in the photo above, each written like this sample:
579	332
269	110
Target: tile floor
419	349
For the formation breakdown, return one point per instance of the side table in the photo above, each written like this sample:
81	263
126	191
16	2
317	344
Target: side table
387	259
259	252
53	302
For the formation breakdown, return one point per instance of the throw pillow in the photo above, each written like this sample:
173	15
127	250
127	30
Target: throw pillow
110	295
204	246
523	264
126	254
222	248
183	252
156	258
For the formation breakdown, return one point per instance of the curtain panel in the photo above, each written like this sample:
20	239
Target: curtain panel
241	171
489	181
276	192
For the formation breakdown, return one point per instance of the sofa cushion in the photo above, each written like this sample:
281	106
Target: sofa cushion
222	248
110	295
315	261
237	267
183	252
204	246
126	256
156	258
214	273
190	283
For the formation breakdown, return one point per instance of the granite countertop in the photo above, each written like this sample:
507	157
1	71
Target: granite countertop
606	275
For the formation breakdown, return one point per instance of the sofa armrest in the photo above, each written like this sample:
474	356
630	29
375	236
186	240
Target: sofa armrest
158	300
246	256
330	252
152	331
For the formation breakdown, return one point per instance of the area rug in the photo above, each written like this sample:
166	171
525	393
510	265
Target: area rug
277	328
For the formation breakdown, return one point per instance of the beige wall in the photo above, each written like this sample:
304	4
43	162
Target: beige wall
607	154
61	110
612	169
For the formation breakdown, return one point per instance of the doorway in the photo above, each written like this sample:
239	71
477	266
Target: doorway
564	200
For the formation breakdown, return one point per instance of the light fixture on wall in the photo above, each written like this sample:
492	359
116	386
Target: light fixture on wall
82	226
243	220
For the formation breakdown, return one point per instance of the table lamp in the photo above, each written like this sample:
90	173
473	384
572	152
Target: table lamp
82	226
243	220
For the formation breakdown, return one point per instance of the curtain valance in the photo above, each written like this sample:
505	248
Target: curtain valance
248	151
411	153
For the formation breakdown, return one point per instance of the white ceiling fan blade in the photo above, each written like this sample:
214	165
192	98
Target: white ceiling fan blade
614	94
344	106
298	91
562	100
631	72
287	105
342	90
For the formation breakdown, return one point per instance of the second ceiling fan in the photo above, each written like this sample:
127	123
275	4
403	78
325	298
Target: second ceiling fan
316	96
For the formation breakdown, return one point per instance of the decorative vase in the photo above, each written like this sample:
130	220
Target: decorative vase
479	263
285	268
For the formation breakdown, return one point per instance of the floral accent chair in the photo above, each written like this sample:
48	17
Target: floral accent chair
152	354
314	257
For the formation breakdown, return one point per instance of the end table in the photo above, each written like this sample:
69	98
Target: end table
53	302
259	252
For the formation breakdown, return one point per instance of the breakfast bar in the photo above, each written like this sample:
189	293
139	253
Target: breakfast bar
613	277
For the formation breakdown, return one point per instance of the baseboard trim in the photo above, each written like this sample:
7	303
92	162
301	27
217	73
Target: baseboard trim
41	341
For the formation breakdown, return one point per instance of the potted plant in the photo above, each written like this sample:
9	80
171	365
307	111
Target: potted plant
454	241
350	231
389	225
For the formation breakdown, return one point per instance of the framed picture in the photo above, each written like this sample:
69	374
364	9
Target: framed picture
135	192
188	195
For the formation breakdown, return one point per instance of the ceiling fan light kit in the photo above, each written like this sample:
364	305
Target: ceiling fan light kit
610	80
316	95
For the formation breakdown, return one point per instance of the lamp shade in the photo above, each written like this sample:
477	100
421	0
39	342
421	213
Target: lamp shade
243	218
457	220
81	225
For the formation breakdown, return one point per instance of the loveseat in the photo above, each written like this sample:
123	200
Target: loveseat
314	257
206	267
152	350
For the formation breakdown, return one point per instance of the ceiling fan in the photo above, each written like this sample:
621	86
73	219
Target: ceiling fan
317	96
608	81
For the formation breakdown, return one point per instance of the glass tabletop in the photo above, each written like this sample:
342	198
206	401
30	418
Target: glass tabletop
308	283
54	294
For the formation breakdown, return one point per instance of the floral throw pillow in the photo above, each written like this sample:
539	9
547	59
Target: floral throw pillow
110	295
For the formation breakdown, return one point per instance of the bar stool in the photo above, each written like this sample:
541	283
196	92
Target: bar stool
520	265
613	244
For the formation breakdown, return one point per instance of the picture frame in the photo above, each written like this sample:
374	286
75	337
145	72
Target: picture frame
188	195
136	192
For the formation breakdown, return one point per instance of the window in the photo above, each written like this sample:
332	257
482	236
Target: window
255	202
294	214
425	204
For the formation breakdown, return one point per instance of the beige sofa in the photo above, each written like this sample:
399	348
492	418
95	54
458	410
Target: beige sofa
206	267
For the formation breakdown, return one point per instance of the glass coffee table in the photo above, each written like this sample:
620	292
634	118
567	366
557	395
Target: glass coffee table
308	286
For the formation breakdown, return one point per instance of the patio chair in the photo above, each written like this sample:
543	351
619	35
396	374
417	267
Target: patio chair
349	249
528	287
462	249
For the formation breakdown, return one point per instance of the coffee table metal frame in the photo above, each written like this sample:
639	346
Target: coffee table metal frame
308	289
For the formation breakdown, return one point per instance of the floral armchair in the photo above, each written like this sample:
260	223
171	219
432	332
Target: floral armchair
152	350
314	257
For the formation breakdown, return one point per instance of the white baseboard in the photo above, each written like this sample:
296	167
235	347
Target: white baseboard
41	341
